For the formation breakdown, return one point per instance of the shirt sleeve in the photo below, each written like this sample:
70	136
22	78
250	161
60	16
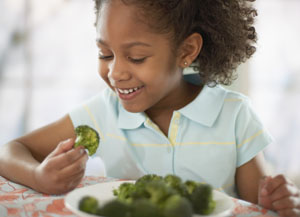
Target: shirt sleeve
251	136
82	114
94	112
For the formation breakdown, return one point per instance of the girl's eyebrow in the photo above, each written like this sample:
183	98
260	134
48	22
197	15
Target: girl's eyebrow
99	41
125	45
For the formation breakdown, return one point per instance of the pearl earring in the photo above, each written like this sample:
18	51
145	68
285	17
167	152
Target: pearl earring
185	63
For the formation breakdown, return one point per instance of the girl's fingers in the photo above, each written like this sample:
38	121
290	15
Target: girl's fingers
289	212
286	203
274	183
68	158
284	190
75	168
76	181
263	197
62	147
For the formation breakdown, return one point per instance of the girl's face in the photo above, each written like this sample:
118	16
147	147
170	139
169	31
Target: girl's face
135	62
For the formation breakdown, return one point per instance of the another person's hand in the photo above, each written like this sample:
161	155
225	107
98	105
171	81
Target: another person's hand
62	170
279	194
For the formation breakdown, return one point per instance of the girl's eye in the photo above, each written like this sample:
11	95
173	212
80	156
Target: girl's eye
137	61
102	57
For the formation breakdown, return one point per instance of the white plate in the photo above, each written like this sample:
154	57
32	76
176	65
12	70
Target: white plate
104	192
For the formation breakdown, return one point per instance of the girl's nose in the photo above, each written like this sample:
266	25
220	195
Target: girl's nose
118	71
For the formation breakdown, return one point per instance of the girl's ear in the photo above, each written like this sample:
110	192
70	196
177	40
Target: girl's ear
190	49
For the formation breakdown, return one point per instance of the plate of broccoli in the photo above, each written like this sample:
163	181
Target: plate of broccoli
149	196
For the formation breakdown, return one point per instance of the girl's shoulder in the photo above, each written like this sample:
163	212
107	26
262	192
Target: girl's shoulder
233	95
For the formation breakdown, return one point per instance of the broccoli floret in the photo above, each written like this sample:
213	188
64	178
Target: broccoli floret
202	199
144	208
148	178
177	206
158	191
87	137
114	208
88	204
125	192
175	182
191	186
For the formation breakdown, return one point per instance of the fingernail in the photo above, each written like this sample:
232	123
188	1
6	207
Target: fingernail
264	192
82	151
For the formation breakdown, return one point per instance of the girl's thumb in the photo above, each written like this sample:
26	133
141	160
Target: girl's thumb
63	147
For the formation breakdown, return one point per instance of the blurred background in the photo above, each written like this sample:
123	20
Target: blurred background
48	65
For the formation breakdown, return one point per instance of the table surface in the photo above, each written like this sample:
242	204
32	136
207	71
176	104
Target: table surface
20	201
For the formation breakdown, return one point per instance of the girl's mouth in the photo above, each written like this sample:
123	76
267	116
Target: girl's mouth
129	93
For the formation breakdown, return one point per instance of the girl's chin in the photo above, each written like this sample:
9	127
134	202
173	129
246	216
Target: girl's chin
133	109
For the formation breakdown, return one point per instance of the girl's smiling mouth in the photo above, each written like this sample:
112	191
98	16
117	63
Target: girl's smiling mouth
129	93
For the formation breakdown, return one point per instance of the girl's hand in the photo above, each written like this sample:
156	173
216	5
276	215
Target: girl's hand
279	194
62	170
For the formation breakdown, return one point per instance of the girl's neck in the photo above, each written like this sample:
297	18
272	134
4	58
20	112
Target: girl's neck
183	96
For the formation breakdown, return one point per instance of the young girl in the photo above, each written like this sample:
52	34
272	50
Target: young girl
152	119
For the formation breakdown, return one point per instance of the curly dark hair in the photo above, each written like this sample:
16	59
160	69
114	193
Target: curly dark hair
226	27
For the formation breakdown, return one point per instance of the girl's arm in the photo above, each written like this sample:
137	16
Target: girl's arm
45	159
248	177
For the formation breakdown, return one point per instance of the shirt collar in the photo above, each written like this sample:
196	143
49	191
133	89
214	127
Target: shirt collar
130	120
206	107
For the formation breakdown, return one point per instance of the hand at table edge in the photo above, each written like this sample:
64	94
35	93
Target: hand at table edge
279	194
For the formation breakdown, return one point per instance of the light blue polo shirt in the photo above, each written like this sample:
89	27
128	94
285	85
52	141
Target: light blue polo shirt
207	139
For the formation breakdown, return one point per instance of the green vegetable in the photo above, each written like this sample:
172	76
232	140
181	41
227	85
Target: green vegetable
148	178
144	208
125	192
202	199
87	137
158	191
177	206
114	208
176	183
156	196
88	204
191	186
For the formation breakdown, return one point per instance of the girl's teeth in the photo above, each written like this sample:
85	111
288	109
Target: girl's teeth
129	90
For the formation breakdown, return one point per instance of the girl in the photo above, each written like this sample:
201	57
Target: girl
152	119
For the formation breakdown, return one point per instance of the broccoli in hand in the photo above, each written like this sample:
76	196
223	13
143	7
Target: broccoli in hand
87	137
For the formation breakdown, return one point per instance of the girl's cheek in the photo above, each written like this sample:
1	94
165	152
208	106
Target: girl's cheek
103	73
103	70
